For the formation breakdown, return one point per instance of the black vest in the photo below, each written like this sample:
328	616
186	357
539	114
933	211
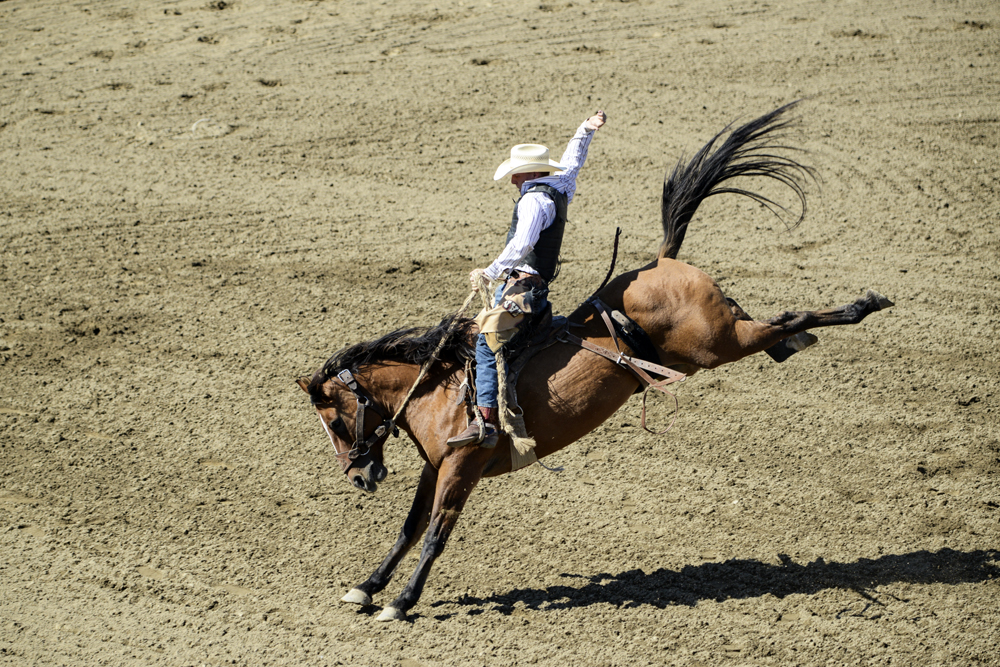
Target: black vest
544	257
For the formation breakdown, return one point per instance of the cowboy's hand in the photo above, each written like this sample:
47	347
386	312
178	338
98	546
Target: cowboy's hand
596	121
474	278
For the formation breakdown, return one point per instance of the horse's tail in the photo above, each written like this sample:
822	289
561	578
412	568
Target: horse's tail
750	150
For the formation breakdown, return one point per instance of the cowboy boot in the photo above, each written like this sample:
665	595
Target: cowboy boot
487	438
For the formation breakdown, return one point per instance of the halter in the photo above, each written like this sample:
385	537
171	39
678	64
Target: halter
378	436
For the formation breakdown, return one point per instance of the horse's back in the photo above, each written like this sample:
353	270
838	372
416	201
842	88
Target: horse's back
680	306
567	391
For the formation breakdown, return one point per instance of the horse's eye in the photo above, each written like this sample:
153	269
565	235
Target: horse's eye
337	424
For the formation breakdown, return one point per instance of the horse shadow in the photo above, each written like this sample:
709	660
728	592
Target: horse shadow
741	579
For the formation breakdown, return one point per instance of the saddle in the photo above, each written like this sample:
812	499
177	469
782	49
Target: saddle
545	330
522	307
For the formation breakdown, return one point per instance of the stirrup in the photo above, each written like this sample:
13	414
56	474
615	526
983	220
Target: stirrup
471	435
480	431
486	437
491	436
489	432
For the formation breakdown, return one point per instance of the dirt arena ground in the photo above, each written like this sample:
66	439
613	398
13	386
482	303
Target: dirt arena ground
201	201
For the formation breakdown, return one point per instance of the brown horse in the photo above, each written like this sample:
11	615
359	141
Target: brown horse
566	391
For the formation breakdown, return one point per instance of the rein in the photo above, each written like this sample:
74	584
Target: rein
436	353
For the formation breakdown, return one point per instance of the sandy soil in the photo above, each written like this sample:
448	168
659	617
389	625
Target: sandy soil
201	201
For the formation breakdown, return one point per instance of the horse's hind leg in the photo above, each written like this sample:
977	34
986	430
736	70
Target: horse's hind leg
756	336
413	528
783	349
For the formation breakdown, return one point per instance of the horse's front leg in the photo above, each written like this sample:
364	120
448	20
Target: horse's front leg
459	474
413	528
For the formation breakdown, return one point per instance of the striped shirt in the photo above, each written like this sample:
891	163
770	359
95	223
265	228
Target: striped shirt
536	212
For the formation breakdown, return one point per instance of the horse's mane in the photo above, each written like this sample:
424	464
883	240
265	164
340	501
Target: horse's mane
415	345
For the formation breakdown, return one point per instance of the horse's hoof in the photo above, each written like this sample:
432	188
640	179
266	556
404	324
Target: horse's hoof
879	300
357	596
801	341
391	614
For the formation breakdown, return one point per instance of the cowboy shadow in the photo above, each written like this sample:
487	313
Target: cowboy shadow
741	579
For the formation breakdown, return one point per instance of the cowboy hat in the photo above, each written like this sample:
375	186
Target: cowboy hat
525	158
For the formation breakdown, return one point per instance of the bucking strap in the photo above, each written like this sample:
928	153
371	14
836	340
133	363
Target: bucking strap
637	367
635	337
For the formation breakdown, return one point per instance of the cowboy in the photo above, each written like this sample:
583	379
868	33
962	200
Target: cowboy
530	258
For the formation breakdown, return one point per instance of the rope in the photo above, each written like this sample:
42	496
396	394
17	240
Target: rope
512	422
483	286
522	452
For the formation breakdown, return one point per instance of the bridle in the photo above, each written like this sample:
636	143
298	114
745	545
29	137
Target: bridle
378	436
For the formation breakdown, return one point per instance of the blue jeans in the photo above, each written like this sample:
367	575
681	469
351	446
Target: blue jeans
487	385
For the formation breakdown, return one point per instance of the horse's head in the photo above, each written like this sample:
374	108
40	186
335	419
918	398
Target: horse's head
356	425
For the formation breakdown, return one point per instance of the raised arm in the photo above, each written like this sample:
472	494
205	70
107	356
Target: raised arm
576	151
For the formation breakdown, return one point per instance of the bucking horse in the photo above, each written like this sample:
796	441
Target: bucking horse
412	379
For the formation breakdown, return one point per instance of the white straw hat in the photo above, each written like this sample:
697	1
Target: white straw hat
525	158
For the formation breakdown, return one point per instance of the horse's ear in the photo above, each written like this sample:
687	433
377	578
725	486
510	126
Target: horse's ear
304	383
